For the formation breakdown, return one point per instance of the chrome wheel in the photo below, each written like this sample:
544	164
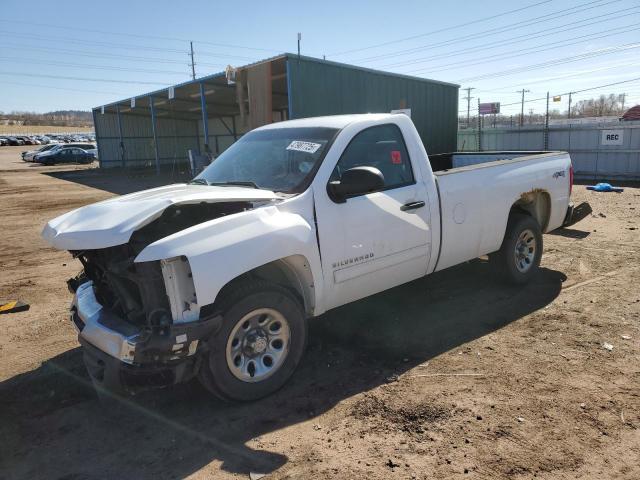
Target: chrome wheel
525	251
258	345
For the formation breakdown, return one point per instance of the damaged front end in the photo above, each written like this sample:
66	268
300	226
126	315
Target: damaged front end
140	323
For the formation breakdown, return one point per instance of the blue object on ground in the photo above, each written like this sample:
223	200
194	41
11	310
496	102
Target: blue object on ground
604	187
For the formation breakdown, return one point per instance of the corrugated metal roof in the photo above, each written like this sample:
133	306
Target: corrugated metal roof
271	59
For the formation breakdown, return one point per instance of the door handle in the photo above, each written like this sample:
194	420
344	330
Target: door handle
412	205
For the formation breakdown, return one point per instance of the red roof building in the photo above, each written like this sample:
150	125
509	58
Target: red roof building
632	114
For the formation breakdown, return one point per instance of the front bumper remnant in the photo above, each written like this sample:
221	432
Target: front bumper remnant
123	357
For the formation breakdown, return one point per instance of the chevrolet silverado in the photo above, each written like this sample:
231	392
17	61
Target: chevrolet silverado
217	278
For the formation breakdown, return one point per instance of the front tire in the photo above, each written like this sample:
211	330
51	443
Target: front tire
260	343
519	257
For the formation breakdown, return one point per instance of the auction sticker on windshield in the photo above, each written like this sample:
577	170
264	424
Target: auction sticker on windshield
300	146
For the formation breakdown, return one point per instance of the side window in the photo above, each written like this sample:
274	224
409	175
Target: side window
381	147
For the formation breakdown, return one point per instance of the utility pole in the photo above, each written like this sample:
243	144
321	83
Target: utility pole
299	38
479	128
193	64
468	99
569	109
546	126
523	91
624	97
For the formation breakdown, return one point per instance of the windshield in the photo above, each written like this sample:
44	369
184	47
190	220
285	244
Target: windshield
279	159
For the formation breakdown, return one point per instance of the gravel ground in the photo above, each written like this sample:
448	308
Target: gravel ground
451	376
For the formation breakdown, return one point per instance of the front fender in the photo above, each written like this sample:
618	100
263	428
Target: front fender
222	249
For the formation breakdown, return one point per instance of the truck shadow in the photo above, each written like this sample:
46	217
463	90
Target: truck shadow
56	428
117	181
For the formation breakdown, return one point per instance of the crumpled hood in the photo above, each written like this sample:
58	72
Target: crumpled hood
111	222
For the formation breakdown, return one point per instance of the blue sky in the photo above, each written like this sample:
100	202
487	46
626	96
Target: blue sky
79	54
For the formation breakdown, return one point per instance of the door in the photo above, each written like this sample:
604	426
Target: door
79	155
67	155
377	240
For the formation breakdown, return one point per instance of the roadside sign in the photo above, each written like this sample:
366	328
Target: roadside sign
489	108
133	102
612	137
557	98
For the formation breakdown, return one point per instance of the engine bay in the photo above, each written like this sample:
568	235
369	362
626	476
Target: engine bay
136	292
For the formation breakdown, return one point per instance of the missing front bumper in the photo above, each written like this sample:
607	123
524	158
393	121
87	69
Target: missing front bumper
121	356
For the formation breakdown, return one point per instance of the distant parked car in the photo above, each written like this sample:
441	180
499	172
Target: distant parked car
4	141
65	155
39	157
29	155
15	141
26	140
93	151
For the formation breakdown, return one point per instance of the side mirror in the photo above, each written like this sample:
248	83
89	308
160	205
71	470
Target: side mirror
355	181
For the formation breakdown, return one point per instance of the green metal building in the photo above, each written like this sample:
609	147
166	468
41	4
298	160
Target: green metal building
208	114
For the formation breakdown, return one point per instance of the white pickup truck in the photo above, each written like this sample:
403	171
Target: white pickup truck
218	277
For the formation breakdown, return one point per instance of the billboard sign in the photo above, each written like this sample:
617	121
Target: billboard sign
489	108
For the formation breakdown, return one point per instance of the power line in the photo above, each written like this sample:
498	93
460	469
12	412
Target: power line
135	35
558	61
413	37
532	100
224	55
84	41
96	67
84	79
525	51
127	46
517	39
513	26
96	55
546	80
574	91
21	84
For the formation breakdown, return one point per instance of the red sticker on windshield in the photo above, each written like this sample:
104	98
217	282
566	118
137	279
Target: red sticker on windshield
396	157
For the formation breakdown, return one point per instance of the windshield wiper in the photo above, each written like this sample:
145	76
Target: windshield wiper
198	181
235	183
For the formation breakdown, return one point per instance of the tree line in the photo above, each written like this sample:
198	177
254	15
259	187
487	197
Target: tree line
63	118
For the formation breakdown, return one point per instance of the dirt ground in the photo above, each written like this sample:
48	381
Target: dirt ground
452	376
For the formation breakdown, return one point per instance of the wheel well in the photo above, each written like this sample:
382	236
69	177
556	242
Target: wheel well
535	203
293	273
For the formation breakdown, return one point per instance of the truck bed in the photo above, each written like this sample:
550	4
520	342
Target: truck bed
444	162
476	196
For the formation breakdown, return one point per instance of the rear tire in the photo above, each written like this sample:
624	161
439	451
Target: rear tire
260	343
518	259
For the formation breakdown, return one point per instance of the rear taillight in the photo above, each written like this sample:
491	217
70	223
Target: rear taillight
570	178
